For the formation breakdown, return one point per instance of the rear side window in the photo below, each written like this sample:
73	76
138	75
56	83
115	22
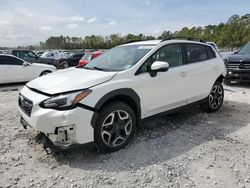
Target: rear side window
210	53
28	54
196	53
6	60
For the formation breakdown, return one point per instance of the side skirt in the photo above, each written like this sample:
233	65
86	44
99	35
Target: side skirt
173	110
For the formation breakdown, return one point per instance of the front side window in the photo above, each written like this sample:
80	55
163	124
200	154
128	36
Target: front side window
171	53
6	60
119	58
196	53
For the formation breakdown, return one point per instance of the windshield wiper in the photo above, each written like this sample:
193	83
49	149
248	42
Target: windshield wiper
96	68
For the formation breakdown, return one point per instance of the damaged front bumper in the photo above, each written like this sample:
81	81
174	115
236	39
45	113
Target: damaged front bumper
62	128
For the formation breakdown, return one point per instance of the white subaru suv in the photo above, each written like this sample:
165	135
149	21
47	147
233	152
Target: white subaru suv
104	101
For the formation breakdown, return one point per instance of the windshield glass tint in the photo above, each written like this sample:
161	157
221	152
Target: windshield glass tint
245	50
119	58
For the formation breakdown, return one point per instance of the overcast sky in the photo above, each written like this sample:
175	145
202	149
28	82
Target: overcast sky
25	22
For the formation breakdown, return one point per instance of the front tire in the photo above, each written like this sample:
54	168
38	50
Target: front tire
114	127
45	73
215	98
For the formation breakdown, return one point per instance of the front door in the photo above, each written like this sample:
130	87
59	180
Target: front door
166	90
16	71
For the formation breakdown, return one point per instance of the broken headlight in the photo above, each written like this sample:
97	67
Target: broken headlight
65	101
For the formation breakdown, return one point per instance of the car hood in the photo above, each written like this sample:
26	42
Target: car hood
239	58
69	80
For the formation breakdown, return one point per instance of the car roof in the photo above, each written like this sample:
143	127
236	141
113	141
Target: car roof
147	42
156	42
10	55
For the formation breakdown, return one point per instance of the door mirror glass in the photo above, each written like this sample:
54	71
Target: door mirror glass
26	64
160	66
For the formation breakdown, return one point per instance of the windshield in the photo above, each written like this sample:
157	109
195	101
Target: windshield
119	58
245	50
87	57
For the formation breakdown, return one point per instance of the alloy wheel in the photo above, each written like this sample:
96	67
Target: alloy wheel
216	97
116	128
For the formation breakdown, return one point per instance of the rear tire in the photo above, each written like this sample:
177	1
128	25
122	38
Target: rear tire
114	127
215	98
64	65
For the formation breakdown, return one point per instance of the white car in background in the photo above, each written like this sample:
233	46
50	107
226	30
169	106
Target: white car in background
14	69
56	54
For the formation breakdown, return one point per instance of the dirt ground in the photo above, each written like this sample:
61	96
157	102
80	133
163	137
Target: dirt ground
185	149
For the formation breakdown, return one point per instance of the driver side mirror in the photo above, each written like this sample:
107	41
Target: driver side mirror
26	64
158	66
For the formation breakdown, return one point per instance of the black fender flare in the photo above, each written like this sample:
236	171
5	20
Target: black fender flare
128	92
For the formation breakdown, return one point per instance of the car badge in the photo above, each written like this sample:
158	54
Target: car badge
242	66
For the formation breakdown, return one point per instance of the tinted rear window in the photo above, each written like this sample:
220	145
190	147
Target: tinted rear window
196	53
210	53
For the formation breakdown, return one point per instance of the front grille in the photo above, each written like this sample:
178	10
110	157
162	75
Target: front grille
239	65
25	104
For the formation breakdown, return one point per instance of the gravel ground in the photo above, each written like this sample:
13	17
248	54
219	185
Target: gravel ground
185	149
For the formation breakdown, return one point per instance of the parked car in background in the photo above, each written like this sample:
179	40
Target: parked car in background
72	61
57	54
104	101
88	57
39	53
14	69
32	57
1	52
238	65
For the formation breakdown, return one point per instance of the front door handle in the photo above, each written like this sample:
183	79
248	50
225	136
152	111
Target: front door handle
183	74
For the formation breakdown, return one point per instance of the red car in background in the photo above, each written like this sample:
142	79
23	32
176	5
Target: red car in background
88	57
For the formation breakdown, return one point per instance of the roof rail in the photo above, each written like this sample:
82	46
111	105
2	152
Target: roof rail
131	41
187	38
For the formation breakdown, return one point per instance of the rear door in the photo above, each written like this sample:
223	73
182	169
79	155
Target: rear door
201	71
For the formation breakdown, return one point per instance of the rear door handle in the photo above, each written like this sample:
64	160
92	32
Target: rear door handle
183	74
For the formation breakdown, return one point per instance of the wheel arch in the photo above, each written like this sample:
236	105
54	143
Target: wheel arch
48	71
220	78
126	95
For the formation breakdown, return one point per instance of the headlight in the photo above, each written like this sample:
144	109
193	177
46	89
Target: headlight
65	101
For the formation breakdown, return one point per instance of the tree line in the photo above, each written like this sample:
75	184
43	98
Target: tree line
232	34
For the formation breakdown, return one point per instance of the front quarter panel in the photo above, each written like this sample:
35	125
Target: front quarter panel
123	81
